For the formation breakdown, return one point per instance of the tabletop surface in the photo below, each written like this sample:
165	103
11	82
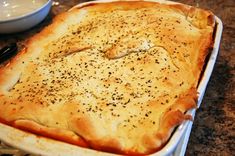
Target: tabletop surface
213	131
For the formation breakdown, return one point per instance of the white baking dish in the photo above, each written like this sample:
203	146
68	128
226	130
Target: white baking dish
45	146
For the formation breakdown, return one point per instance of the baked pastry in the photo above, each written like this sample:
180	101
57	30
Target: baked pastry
114	77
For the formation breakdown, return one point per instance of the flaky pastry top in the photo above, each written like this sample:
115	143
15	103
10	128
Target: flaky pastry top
115	76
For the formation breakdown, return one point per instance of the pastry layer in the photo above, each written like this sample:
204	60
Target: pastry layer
115	76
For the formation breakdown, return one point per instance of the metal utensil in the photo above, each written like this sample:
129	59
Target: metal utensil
8	51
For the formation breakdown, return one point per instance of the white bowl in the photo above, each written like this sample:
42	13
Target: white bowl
20	15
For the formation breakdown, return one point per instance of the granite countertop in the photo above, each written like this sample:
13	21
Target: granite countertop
213	131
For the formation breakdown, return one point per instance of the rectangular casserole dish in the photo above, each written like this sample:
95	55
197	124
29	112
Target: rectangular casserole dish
44	146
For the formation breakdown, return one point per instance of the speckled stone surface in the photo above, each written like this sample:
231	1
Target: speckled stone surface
213	131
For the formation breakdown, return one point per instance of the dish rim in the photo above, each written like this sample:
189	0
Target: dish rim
27	14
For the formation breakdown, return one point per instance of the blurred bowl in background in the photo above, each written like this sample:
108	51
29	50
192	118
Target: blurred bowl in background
20	15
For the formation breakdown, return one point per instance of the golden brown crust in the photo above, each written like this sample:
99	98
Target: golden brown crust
55	133
99	77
